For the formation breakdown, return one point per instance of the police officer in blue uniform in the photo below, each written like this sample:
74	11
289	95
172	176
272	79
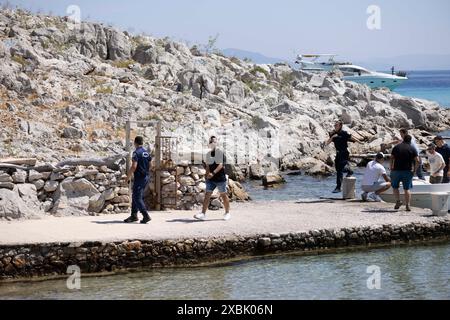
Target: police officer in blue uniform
140	168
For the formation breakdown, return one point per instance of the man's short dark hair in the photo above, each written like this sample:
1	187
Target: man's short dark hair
404	130
212	138
139	140
438	138
407	139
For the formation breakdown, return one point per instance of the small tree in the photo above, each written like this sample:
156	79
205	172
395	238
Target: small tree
211	45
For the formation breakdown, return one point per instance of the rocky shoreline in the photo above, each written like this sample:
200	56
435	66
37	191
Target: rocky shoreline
52	259
67	90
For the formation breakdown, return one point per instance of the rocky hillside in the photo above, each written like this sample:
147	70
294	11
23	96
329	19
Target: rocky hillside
67	89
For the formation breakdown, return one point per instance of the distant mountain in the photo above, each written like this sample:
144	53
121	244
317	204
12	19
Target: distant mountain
409	62
253	56
403	62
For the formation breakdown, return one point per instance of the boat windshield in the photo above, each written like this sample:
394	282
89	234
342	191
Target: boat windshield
353	71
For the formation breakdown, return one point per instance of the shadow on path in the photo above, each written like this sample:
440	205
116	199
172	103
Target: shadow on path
110	222
380	210
192	220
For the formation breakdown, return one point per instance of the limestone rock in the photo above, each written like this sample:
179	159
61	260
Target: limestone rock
4	177
109	194
51	186
256	171
34	175
7	185
72	197
13	206
28	194
236	191
96	203
39	184
271	179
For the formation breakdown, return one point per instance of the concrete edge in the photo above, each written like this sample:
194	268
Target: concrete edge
93	257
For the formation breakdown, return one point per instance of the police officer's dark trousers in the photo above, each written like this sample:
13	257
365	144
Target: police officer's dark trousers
138	197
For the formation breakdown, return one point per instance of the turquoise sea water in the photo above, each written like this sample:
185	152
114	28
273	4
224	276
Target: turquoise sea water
430	85
412	272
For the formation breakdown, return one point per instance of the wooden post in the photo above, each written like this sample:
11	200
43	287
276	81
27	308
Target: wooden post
158	166
127	149
128	144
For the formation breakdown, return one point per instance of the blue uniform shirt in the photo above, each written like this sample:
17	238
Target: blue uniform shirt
143	158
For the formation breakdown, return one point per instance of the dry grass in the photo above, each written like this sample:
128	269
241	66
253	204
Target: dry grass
20	60
124	64
104	90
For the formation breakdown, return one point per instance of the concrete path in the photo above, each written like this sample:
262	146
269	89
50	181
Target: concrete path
247	219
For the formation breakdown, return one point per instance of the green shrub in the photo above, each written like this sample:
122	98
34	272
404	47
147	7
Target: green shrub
259	69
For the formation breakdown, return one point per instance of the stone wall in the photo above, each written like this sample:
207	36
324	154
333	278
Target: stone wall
23	261
70	190
82	190
183	187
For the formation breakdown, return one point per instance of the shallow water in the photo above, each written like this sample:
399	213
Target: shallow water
414	272
298	187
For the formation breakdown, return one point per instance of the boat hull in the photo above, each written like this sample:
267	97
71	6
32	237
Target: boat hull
420	194
376	82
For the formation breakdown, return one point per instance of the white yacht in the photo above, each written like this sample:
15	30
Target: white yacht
351	72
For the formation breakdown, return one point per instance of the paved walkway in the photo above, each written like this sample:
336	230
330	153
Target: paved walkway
247	219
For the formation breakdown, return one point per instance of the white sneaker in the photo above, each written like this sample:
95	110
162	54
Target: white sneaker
375	197
227	216
200	216
364	196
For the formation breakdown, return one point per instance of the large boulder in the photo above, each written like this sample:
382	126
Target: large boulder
256	171
96	203
146	54
212	118
118	45
271	179
236	192
73	197
28	193
411	109
12	206
16	205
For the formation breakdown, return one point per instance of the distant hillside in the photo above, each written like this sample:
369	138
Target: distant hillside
404	62
253	56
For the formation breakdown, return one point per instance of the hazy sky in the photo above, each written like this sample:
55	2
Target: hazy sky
278	28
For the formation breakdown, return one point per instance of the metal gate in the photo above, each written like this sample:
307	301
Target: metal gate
166	147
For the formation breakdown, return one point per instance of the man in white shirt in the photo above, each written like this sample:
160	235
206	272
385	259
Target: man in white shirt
372	179
437	164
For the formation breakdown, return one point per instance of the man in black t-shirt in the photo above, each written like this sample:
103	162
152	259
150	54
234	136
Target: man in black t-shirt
404	162
340	138
444	150
215	178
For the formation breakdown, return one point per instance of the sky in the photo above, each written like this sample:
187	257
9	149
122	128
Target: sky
281	28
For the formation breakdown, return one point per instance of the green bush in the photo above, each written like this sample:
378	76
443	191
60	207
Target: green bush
259	69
